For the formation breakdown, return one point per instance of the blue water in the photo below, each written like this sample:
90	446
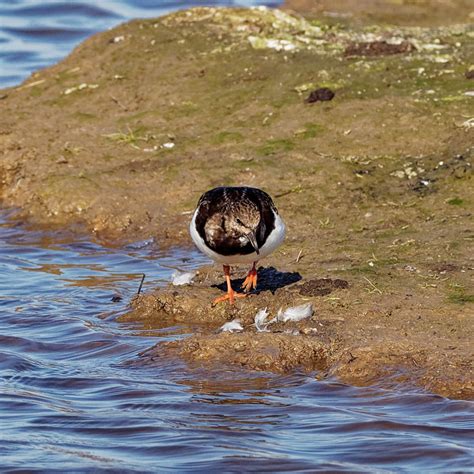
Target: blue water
34	34
76	394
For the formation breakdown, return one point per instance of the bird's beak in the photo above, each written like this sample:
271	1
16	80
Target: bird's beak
253	241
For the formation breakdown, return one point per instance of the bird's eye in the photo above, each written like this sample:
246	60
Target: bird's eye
239	221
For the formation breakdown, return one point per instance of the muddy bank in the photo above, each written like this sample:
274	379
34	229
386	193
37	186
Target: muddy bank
375	184
398	12
352	334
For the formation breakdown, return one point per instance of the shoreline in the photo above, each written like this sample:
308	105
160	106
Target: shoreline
119	140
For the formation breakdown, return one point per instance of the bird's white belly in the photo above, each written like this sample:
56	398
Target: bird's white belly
274	240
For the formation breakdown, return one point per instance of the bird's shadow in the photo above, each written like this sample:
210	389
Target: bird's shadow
269	279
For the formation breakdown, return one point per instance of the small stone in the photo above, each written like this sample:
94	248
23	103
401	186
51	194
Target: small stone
117	39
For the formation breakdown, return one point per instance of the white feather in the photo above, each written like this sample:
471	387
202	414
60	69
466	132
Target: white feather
182	278
295	313
260	319
232	326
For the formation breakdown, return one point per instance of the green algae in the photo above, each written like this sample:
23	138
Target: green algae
455	201
460	298
275	146
227	136
131	137
310	130
459	294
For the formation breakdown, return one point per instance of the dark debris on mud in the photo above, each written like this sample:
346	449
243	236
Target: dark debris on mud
322	94
322	286
378	48
459	167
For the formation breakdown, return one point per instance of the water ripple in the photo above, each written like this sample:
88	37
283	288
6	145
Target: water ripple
34	34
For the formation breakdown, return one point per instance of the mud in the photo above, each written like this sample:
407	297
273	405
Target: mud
122	137
399	12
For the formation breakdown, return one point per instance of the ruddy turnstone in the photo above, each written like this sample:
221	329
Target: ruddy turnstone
233	225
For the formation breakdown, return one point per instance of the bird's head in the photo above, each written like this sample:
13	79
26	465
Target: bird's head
244	225
238	225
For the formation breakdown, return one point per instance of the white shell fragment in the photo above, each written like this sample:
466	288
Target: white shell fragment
295	313
182	278
271	43
232	326
80	87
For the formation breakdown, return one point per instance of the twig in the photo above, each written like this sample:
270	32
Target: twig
373	286
299	256
31	84
141	284
118	103
296	189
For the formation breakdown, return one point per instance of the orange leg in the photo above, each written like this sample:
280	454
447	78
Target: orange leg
250	283
231	294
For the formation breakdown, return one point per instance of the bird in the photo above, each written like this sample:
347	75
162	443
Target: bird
237	225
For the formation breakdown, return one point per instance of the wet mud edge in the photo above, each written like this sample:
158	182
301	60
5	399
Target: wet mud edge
326	344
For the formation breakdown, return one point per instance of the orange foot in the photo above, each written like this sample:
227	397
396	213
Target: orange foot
230	295
250	283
